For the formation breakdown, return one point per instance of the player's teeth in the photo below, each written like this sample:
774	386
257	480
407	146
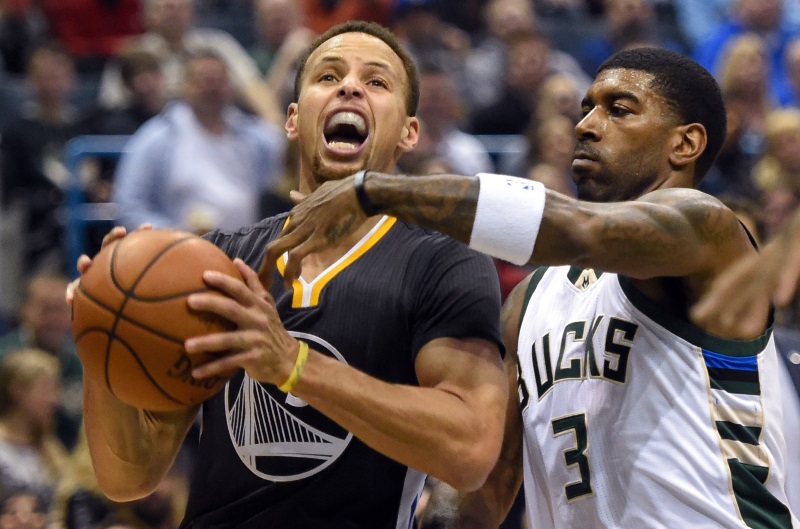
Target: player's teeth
343	145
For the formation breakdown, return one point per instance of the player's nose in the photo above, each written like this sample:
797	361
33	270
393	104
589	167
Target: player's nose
350	87
589	127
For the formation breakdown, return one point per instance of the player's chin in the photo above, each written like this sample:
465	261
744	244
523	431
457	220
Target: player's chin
327	170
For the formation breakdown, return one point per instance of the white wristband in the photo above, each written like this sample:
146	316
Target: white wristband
508	217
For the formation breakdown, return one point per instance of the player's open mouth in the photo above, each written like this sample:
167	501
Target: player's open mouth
345	132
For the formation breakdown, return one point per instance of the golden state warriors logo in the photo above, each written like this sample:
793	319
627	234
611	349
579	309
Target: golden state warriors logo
278	436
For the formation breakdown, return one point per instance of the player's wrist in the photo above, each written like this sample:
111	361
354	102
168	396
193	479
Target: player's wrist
507	218
367	205
297	370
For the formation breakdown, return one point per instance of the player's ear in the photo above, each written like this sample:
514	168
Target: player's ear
410	135
291	122
688	144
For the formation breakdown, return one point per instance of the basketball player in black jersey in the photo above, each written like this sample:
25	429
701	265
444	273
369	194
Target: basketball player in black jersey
380	364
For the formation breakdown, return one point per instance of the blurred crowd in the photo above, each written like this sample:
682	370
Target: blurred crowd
198	89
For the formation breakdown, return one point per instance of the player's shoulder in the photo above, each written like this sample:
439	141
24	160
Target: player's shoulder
686	199
425	241
251	239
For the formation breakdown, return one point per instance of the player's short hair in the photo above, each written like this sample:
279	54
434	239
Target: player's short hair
690	89
379	32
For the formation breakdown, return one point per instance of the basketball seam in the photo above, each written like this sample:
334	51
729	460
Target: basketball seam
118	314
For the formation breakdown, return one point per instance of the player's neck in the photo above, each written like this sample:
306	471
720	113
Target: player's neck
316	263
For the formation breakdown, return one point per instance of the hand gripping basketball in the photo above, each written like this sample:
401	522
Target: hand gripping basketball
130	318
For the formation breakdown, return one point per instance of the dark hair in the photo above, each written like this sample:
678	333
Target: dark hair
689	88
379	32
136	61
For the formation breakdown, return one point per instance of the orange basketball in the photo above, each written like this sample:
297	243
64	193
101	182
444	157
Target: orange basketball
130	318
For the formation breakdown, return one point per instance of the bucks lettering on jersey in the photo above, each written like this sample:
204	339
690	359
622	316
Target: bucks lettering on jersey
635	419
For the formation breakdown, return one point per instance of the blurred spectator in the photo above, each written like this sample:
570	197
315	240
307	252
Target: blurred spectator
566	8
440	111
201	163
322	14
144	85
30	454
528	67
32	172
144	82
21	28
559	96
172	37
778	205
431	40
789	85
780	164
464	14
92	30
744	82
487	63
627	24
550	155
45	323
21	508
699	18
762	17
282	40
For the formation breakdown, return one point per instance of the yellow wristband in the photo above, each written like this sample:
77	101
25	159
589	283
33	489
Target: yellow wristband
297	370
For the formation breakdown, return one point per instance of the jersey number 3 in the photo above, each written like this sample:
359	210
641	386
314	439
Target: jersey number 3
575	456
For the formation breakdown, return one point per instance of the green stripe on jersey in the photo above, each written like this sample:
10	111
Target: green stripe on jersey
536	277
759	508
735	386
737	432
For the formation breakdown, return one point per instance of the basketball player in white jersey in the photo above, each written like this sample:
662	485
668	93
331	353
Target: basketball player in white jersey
628	415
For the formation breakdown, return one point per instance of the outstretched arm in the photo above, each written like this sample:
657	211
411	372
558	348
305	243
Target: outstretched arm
672	232
741	297
489	505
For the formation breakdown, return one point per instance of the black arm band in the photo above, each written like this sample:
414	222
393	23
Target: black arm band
366	204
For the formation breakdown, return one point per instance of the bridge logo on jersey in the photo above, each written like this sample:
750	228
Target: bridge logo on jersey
572	355
279	437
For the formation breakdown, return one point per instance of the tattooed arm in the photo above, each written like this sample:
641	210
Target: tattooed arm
674	232
445	203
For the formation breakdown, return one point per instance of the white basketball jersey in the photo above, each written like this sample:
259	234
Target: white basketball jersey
635	419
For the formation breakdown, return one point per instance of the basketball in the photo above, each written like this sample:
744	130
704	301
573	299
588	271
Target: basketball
130	318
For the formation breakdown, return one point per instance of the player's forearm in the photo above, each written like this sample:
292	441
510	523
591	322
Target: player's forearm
445	203
489	505
131	449
432	430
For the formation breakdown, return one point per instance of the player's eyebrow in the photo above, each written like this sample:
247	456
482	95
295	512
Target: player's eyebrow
615	95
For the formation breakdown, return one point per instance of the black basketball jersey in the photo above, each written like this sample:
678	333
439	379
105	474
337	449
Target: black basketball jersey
267	459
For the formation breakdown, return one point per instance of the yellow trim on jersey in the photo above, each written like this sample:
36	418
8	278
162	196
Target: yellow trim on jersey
306	294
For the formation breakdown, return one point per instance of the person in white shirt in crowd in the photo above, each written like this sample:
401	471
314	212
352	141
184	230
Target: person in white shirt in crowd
201	163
